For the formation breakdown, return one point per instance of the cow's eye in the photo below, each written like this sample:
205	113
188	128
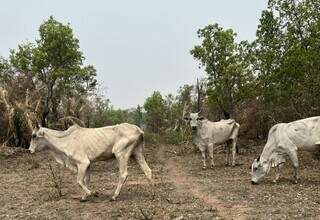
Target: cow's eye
34	135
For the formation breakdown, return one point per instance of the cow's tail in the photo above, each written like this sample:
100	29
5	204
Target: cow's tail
138	155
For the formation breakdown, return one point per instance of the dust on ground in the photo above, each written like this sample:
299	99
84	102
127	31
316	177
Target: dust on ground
182	189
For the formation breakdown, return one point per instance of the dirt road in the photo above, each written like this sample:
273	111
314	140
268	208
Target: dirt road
183	190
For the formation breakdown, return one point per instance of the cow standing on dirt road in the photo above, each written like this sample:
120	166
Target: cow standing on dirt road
77	147
211	134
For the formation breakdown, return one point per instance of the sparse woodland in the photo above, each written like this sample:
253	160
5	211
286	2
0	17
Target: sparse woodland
274	78
271	79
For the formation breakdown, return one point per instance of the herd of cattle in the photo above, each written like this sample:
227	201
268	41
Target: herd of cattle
78	147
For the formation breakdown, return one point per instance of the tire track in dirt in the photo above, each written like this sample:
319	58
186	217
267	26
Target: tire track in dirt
185	182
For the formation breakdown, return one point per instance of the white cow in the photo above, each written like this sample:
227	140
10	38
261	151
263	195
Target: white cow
77	147
211	134
285	139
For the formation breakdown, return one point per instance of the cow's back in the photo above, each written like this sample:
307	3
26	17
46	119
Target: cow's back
221	131
305	133
101	143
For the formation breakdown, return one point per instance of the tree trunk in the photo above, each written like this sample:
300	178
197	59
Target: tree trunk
46	110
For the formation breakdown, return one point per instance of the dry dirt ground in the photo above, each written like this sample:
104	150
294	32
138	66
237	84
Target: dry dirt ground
182	189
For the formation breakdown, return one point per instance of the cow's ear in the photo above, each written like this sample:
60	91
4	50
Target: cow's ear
186	118
41	133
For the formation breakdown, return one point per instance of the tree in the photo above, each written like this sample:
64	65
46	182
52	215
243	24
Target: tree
45	80
155	111
55	61
221	58
5	71
286	59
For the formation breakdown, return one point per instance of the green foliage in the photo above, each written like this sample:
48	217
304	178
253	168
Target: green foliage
225	62
185	94
46	82
5	71
57	54
155	111
54	62
106	114
166	137
287	58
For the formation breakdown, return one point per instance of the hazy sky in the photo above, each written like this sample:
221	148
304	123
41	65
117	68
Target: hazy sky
137	46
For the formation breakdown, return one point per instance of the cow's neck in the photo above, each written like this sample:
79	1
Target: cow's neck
57	141
199	131
267	152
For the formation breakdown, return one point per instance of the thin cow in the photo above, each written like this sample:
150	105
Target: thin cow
77	148
210	134
286	139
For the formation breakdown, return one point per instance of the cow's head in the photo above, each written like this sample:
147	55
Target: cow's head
195	120
258	170
38	141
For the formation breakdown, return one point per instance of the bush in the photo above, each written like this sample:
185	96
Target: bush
168	137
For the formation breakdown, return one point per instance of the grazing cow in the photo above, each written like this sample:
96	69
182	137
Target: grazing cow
285	139
209	134
77	147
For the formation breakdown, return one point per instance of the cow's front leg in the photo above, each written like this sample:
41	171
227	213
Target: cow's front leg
82	171
210	149
296	177
203	153
278	172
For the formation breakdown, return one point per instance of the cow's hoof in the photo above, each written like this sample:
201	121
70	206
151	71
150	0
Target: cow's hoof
113	198
204	168
274	181
295	182
95	194
83	199
233	165
212	166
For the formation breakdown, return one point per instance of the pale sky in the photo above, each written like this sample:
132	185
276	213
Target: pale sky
137	46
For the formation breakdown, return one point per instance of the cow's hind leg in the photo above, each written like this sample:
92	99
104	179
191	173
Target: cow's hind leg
87	181
123	174
138	154
233	139
234	151
295	162
227	150
82	172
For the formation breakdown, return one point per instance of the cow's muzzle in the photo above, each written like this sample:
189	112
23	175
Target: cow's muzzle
194	128
253	182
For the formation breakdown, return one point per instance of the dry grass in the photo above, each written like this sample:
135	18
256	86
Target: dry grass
183	190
